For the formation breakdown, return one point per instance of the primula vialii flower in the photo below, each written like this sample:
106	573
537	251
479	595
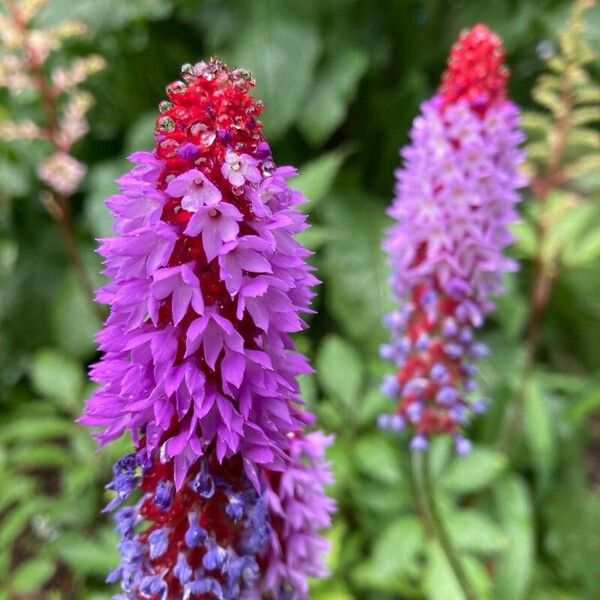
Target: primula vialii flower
207	284
455	198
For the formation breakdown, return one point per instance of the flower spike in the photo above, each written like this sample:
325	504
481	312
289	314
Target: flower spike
455	198
223	495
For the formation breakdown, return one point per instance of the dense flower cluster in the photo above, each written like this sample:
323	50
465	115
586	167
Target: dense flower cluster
206	285
218	536
455	198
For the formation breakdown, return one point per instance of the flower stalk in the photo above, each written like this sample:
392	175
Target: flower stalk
421	468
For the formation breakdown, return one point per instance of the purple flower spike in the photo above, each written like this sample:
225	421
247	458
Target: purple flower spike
454	203
207	285
205	291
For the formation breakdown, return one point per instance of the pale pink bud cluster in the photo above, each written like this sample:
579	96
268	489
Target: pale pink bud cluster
25	50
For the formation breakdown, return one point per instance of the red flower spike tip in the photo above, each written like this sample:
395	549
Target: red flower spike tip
476	71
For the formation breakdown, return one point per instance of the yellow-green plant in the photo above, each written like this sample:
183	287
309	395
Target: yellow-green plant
561	229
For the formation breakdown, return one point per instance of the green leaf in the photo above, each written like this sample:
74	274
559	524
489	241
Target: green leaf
336	84
473	472
371	405
73	320
515	563
583	165
140	136
354	265
539	430
32	430
41	456
89	556
584	406
15	178
397	551
21	488
394	561
582	250
31	575
282	54
441	583
525	238
376	456
55	376
316	177
474	531
104	16
314	237
16	520
100	184
340	369
535	121
585	115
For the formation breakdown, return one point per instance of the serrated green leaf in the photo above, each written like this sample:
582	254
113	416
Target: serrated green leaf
526	239
538	150
587	94
583	138
140	136
584	406
515	563
473	472
547	97
371	405
398	550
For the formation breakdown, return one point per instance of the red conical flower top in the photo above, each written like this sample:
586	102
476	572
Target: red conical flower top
476	70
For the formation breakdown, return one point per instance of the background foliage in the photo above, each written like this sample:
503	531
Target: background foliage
341	81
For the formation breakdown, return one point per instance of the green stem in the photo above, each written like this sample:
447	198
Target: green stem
422	474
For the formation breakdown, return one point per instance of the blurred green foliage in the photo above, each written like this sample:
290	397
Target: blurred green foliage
341	81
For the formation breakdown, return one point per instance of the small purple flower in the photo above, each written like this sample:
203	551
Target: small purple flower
195	190
299	508
217	224
182	286
189	151
163	497
239	168
158	542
